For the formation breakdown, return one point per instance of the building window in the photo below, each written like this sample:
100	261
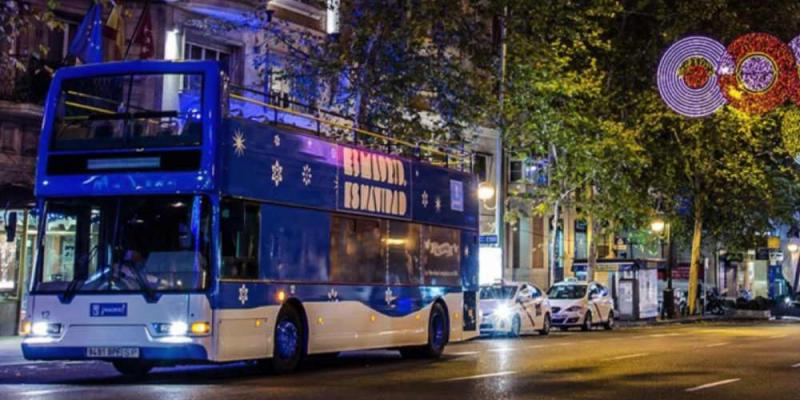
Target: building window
8	139
194	51
481	167
240	223
515	171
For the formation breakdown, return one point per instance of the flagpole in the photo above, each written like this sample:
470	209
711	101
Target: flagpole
145	9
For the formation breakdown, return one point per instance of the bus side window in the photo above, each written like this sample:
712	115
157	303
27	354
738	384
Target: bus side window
240	241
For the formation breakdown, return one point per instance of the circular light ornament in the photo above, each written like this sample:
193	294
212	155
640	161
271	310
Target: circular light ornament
687	77
794	45
757	72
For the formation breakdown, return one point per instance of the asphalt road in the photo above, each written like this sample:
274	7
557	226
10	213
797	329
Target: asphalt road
697	361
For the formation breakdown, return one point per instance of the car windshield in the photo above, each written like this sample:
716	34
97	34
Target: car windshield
567	292
135	110
498	292
127	244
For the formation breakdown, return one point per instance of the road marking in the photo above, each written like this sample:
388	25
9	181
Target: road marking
716	344
796	365
481	376
627	356
538	346
778	336
713	384
38	393
499	349
465	353
665	334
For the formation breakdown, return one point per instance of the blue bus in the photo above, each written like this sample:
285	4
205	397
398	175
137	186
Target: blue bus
173	231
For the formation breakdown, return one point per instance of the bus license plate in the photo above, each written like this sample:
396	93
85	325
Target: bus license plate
112	352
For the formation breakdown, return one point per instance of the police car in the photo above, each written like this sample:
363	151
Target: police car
513	308
581	304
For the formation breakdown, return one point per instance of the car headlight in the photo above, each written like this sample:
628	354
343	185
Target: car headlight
573	309
503	312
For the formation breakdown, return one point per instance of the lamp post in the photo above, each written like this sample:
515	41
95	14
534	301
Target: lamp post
658	226
794	247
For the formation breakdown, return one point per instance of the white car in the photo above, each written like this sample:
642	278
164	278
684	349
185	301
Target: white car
514	308
581	304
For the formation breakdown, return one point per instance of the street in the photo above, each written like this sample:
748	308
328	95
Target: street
693	361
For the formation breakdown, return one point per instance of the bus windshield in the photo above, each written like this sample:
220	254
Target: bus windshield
133	111
124	244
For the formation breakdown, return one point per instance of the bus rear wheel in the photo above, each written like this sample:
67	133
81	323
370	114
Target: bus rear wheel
132	368
289	342
437	336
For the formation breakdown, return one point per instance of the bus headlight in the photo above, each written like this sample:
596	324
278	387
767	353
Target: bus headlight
25	328
178	328
42	328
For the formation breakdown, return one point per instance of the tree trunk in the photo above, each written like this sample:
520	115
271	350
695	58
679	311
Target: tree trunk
591	249
695	259
553	235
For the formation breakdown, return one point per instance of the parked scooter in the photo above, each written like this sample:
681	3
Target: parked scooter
714	303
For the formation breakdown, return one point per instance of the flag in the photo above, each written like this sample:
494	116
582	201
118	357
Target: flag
87	46
115	30
144	35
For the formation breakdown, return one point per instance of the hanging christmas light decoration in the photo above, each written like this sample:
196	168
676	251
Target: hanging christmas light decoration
687	79
757	73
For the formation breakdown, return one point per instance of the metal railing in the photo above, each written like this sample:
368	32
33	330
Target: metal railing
333	125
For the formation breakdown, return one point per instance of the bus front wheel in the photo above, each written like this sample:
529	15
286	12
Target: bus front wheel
437	336
289	342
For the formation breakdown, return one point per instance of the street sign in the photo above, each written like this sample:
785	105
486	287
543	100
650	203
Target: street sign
488	239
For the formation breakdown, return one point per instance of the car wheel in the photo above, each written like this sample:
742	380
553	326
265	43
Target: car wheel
587	322
136	369
289	343
438	336
516	326
609	325
546	326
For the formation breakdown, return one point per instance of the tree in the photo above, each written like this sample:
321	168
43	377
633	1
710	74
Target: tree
556	110
15	17
727	176
400	66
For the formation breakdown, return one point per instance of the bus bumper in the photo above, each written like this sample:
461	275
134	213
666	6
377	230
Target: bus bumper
177	353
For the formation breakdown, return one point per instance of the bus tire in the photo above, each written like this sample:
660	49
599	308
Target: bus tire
438	329
132	368
289	342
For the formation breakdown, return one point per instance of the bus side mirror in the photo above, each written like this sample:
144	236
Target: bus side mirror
11	227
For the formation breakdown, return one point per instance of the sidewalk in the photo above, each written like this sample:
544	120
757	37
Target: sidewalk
10	352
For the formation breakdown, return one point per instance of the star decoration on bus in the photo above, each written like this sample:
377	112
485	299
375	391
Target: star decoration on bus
306	175
425	199
276	140
238	143
389	296
438	204
333	295
277	173
243	294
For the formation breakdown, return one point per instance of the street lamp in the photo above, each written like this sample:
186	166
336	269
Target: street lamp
485	193
658	226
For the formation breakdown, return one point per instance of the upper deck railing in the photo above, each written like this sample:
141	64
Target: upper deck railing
275	107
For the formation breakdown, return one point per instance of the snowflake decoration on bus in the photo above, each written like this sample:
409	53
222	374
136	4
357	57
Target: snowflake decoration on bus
243	295
438	204
306	175
277	173
276	140
238	143
333	295
425	199
389	297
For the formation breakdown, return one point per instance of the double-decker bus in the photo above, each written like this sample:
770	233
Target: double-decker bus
173	230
